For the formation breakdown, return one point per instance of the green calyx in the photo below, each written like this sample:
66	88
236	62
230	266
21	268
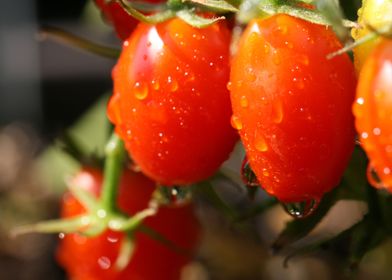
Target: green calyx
187	10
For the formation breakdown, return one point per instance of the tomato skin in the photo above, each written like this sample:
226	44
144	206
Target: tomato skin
123	23
376	13
170	103
292	106
373	111
93	258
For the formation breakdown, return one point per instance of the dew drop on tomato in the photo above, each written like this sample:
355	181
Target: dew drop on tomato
104	262
261	144
141	91
303	209
277	112
236	122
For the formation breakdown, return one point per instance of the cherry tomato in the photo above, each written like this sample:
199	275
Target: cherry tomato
170	104
292	106
123	23
376	13
91	258
373	112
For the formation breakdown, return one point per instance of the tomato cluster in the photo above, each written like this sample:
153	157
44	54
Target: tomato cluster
91	258
291	104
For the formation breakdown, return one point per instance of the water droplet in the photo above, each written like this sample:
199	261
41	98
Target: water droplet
261	144
364	135
244	102
141	90
126	43
155	84
229	86
277	112
112	239
236	122
173	195
303	209
247	175
61	235
276	58
283	29
266	48
104	262
373	177
376	131
304	59
360	101
289	44
174	86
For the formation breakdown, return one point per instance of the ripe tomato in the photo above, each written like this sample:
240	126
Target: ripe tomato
170	103
376	13
373	112
93	258
123	23
292	106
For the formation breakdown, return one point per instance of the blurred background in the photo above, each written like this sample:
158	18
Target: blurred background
45	87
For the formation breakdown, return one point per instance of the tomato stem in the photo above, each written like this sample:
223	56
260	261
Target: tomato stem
115	154
78	42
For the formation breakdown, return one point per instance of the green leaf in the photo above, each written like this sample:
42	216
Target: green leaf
334	14
197	21
151	19
219	6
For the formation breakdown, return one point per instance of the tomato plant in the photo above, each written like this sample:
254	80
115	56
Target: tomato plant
373	112
94	257
292	106
170	103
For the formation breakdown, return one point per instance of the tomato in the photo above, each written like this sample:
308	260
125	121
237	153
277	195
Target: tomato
94	257
376	13
123	23
292	106
170	104
373	112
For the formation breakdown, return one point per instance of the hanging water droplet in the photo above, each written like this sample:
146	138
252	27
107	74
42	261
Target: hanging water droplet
61	235
303	209
277	112
141	90
247	175
173	195
373	177
236	122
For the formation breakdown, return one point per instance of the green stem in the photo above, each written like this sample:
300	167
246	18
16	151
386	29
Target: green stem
78	42
115	154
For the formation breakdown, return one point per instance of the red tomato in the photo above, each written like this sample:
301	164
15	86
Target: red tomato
170	103
373	112
123	23
93	258
292	106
